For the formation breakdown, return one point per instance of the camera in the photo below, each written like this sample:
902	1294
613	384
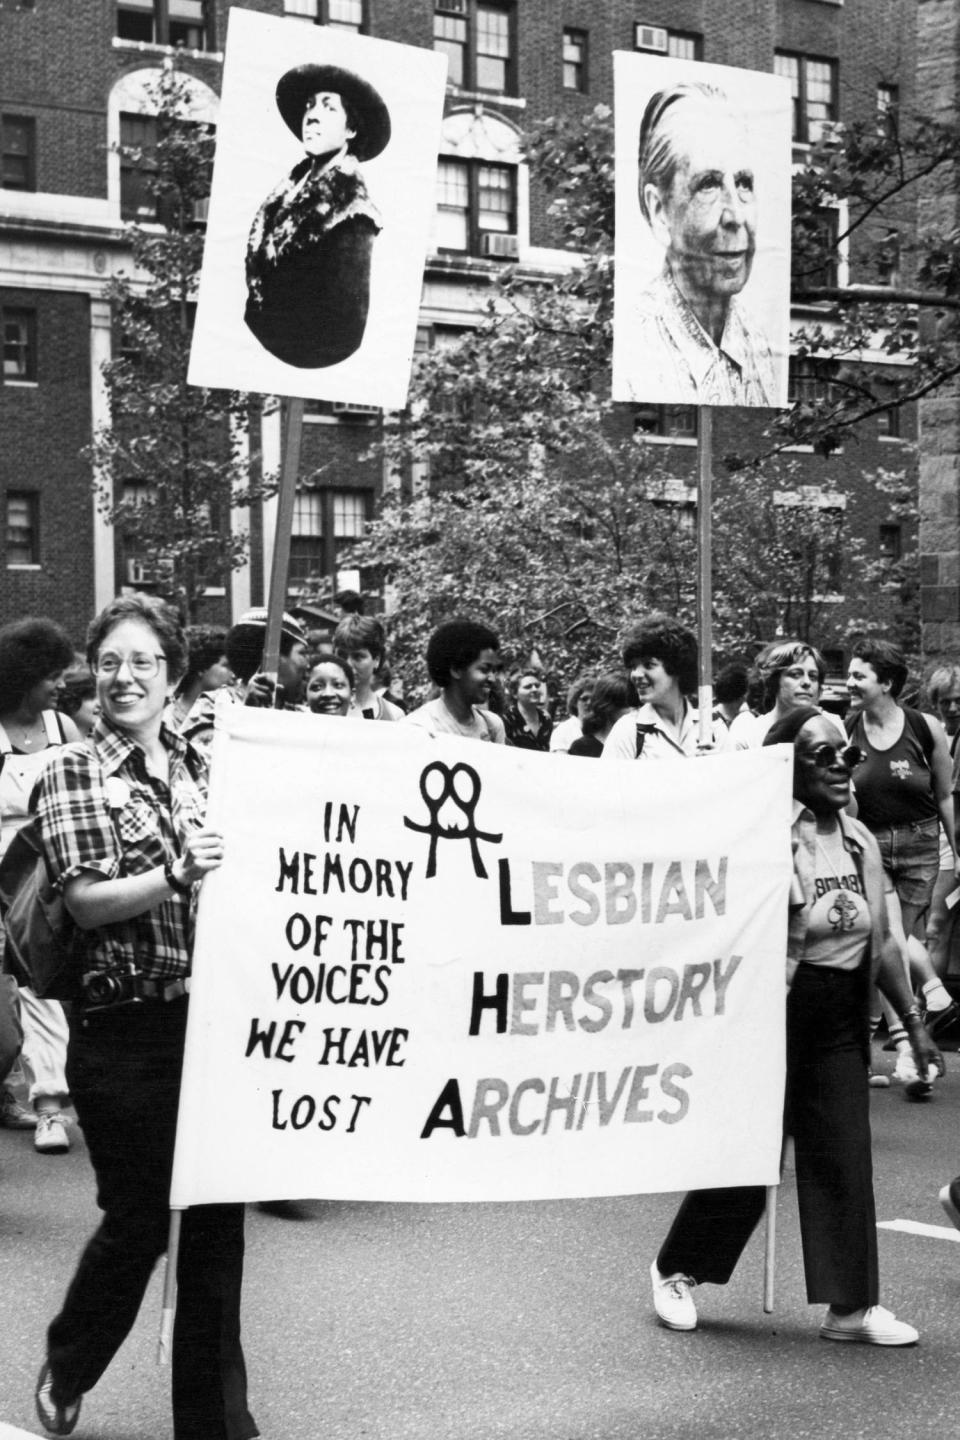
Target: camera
103	990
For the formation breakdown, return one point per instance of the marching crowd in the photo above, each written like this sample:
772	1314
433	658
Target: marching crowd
109	753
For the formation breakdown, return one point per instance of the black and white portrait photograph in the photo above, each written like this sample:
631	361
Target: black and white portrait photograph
320	208
702	265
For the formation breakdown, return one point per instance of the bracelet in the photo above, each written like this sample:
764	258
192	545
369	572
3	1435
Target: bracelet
182	887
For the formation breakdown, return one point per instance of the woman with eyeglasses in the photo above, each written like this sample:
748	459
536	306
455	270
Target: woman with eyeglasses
125	838
791	674
838	943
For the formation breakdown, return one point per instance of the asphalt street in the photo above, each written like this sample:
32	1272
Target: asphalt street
517	1322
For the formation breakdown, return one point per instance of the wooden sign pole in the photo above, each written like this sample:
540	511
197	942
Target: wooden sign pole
289	471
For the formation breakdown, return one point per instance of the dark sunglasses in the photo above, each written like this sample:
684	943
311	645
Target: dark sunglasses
824	756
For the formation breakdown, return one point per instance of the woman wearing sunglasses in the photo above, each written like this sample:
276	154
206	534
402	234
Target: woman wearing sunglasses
126	840
838	942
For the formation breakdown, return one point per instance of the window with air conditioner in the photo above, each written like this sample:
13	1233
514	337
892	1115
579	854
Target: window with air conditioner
477	208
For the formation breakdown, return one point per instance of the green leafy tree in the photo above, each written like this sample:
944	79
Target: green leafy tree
172	462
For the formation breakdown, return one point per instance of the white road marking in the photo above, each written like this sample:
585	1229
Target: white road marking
914	1227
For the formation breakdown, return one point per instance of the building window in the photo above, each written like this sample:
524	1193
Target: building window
815	257
682	45
810	382
338	14
19	344
478	43
306	538
888	103
575	60
165	22
678	44
888	423
138	139
891	543
18	153
23	527
476	204
813	88
138	166
675	422
324	521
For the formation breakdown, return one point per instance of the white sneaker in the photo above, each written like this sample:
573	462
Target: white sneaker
672	1300
50	1136
906	1072
873	1326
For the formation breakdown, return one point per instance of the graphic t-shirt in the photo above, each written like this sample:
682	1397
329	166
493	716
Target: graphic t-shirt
839	928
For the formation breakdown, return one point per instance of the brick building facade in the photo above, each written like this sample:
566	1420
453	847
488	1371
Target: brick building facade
75	78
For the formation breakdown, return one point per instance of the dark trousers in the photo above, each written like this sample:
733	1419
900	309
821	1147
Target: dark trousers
827	1112
123	1067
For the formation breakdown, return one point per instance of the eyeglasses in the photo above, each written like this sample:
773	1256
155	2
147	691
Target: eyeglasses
141	667
824	756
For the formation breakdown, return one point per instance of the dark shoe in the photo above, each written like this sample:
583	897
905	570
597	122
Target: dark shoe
937	1021
950	1200
284	1209
56	1416
13	1116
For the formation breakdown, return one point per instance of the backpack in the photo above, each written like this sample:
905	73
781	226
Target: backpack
42	940
642	732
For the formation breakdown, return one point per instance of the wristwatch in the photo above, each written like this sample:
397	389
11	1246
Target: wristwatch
182	887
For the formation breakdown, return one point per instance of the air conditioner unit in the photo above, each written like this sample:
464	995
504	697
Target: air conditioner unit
138	572
496	246
650	37
143	572
831	132
347	407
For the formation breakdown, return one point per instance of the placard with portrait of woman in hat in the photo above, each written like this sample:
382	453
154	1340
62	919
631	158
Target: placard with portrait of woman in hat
320	209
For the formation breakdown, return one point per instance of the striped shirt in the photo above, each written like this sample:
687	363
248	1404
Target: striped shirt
104	812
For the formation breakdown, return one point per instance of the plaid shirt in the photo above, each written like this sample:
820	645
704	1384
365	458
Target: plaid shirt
102	811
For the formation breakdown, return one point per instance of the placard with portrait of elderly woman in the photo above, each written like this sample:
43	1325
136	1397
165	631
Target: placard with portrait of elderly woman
321	202
702	266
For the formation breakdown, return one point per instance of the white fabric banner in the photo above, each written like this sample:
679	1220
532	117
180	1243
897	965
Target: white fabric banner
431	970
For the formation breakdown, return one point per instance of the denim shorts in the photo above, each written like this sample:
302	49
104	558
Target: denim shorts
911	857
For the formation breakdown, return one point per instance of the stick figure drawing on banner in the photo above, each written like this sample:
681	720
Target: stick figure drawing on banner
466	802
310	247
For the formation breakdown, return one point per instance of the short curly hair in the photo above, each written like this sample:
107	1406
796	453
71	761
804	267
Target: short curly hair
163	619
660	638
885	660
31	650
455	645
207	643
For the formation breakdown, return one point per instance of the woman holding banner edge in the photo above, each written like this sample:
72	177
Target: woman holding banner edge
838	941
125	839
